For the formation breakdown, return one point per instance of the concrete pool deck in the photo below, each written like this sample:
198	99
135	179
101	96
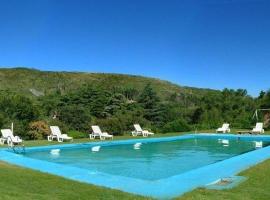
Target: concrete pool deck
163	188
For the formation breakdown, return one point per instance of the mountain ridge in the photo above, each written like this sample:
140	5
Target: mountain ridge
22	79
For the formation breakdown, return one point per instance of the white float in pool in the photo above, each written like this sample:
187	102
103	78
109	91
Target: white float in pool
225	143
55	151
95	148
137	145
258	144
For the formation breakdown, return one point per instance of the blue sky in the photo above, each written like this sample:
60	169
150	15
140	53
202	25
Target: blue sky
204	43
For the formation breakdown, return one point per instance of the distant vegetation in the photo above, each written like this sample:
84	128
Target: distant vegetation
33	100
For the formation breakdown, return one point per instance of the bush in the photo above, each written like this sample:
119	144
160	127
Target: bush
76	117
38	130
202	127
178	125
21	128
112	125
151	128
2	120
77	134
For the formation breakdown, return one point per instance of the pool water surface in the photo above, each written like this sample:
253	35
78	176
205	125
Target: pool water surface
148	160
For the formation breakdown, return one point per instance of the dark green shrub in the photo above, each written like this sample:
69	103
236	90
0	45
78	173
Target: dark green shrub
2	120
178	125
76	117
112	125
21	128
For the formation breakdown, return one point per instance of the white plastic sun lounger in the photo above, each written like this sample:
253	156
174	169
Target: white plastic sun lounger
258	128
7	136
140	131
224	129
56	133
98	133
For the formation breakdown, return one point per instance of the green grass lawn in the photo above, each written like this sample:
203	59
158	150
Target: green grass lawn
25	184
20	183
257	187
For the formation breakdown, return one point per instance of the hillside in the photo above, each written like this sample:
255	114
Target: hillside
33	82
34	99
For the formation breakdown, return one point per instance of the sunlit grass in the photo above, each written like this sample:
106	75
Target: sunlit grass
25	184
255	188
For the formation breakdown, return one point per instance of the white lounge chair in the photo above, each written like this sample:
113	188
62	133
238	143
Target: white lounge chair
98	133
140	131
225	128
56	133
7	136
258	128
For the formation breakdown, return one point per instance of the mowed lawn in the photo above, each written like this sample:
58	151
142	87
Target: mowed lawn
24	184
21	183
257	187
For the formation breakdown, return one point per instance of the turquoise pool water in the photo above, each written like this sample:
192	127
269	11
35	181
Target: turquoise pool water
148	161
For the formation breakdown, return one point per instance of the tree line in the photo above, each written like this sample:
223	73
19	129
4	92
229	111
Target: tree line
116	109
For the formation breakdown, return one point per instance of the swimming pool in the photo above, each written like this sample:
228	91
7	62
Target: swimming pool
157	167
148	161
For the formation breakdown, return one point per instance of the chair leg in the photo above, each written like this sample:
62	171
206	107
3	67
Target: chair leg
134	134
49	138
60	139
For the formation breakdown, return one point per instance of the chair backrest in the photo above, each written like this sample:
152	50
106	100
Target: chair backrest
55	130
259	126
6	133
138	127
96	130
225	126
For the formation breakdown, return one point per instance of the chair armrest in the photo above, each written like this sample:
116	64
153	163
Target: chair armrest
17	137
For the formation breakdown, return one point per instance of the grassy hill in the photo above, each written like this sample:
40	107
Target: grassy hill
32	82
